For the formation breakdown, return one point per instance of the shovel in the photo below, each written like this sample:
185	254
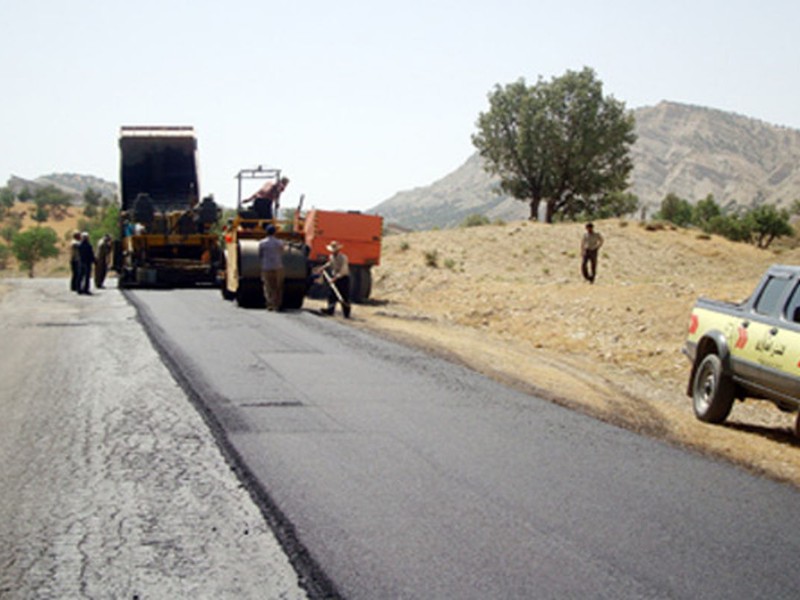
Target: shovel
337	293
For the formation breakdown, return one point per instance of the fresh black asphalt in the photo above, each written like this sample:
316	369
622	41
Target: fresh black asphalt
391	473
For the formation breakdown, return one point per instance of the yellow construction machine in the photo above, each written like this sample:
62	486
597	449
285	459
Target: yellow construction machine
165	232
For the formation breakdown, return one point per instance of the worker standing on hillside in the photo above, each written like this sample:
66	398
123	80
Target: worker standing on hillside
591	242
267	199
337	274
270	254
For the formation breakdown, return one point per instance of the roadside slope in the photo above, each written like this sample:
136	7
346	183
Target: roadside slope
509	301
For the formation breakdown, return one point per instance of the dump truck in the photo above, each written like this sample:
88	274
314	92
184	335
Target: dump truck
242	273
165	231
360	236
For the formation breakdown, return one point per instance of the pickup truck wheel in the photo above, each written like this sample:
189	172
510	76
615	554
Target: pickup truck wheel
712	391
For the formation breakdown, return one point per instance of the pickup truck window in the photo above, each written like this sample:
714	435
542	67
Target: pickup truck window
768	301
793	307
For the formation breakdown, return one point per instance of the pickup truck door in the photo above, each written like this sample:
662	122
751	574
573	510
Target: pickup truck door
768	349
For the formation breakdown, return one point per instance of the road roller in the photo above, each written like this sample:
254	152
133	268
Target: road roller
242	281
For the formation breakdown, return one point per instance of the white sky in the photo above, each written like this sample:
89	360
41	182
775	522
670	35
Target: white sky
357	100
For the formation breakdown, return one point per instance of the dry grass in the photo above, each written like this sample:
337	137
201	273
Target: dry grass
509	301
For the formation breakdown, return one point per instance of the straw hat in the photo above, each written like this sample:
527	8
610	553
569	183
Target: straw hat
334	246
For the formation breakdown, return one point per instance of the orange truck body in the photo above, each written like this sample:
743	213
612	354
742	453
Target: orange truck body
359	234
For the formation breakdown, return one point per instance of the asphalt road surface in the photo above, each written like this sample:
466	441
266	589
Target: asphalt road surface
389	473
111	485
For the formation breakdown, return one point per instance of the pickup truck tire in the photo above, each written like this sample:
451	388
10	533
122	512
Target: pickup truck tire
712	391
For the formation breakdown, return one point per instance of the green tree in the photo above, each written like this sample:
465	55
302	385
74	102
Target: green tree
6	201
733	227
40	212
54	200
8	230
5	254
615	204
675	210
704	211
560	142
91	201
105	221
25	194
33	245
767	223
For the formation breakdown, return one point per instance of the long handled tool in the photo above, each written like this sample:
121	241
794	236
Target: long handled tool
329	281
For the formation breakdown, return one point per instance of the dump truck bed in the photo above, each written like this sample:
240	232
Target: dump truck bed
160	162
360	234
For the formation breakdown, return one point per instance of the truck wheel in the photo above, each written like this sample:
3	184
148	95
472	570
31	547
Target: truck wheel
250	295
294	291
712	391
360	284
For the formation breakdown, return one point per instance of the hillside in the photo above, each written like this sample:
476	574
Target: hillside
64	224
71	183
688	150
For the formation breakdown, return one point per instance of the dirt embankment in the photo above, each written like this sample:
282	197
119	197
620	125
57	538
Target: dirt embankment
509	301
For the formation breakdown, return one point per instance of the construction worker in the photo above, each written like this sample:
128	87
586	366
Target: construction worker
267	199
75	262
337	274
86	255
270	254
102	258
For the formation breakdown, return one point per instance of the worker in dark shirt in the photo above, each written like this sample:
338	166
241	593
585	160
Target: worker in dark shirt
86	255
267	199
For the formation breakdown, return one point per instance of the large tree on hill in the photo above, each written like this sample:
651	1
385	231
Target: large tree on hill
767	223
560	142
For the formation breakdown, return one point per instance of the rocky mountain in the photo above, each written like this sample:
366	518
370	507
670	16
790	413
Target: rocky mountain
687	150
71	183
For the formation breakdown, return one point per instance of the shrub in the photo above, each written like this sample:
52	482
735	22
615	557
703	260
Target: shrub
432	258
475	221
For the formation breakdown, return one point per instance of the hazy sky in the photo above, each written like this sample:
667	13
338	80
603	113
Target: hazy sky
357	100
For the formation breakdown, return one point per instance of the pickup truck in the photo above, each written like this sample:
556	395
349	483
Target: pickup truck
747	350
